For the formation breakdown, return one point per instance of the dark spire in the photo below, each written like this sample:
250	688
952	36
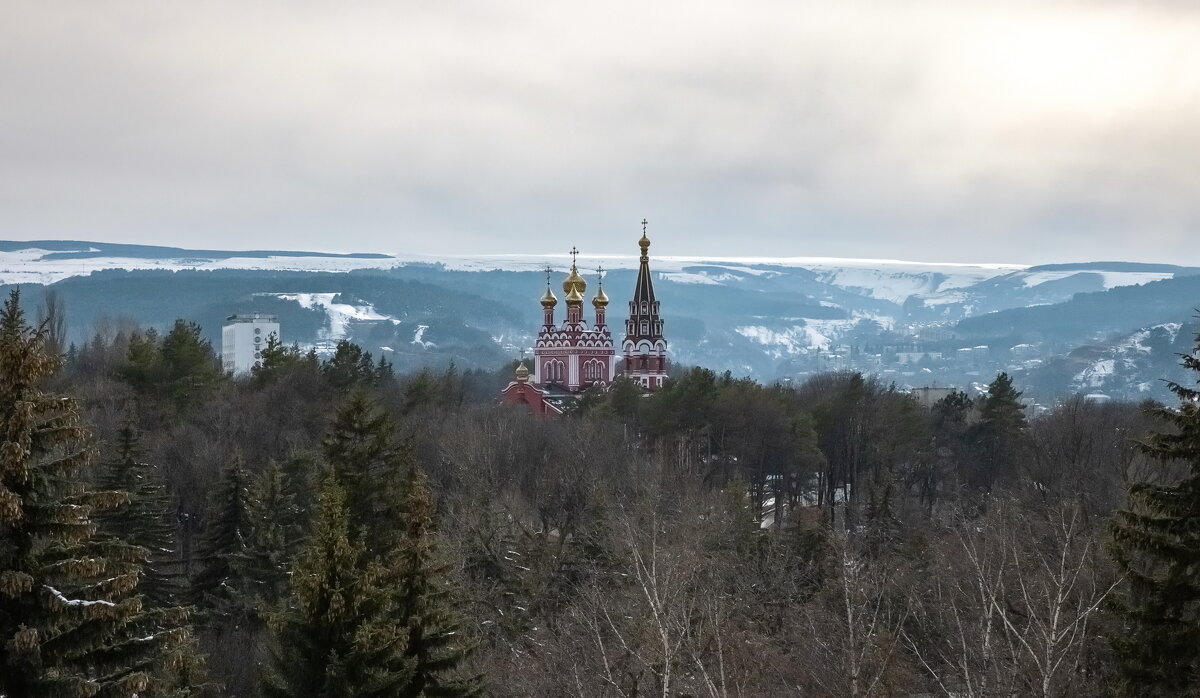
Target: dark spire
643	309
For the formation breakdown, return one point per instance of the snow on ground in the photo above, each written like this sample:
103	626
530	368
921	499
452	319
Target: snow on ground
29	265
1095	375
790	340
797	339
340	314
683	277
1112	279
418	337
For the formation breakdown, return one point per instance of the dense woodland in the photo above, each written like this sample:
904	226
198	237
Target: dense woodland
326	527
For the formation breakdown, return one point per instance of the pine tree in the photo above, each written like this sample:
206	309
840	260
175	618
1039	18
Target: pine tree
142	520
423	607
70	622
218	588
998	436
1156	544
349	366
336	637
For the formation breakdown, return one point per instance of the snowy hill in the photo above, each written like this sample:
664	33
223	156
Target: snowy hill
913	322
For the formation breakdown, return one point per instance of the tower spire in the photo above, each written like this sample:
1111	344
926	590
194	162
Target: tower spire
645	348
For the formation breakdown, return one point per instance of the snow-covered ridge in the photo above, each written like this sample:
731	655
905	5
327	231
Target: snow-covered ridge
892	280
31	265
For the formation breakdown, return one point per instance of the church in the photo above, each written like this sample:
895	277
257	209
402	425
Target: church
573	356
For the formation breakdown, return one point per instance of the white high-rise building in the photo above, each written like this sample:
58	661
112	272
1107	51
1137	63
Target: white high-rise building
243	338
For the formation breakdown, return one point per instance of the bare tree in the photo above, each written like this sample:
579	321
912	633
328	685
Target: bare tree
1010	605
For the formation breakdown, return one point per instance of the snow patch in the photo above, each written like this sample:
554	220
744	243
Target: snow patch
418	337
340	314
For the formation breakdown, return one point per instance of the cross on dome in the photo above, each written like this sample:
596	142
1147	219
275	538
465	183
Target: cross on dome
574	252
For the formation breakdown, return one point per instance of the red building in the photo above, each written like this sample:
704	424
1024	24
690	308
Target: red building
574	356
569	358
644	348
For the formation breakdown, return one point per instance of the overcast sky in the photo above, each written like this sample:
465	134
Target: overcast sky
1027	132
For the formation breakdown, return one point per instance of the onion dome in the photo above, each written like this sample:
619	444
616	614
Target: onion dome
574	283
644	243
601	299
548	299
574	296
522	372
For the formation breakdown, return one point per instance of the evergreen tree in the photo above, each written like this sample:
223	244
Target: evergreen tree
70	622
349	366
273	522
336	637
1156	544
143	519
190	368
369	464
276	359
423	607
385	372
218	587
998	438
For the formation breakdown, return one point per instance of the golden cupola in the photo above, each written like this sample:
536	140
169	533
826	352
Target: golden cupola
574	285
601	299
548	298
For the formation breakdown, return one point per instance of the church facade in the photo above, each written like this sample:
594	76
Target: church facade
573	356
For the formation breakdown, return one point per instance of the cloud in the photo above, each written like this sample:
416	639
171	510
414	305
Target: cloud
1025	131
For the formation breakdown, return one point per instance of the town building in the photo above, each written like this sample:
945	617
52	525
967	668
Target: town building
242	340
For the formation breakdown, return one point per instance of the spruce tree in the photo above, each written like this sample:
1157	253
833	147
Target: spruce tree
142	520
70	622
217	587
1156	544
369	463
423	605
336	637
273	521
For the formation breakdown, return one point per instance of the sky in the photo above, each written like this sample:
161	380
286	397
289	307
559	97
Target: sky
958	131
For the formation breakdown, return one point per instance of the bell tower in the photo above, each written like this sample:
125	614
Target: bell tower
645	348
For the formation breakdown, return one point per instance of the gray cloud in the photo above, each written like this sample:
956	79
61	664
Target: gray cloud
951	131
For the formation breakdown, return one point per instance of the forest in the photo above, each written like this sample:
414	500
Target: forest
328	527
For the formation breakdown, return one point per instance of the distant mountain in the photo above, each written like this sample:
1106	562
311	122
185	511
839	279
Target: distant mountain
909	322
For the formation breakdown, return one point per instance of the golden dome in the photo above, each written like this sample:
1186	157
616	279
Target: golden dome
574	282
644	242
601	298
574	296
522	372
548	299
